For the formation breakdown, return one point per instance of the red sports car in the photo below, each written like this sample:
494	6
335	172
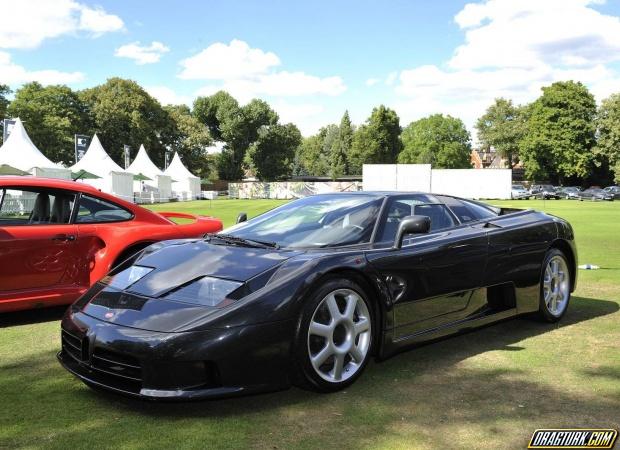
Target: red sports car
58	237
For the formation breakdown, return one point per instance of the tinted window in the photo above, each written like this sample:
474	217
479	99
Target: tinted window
467	211
403	207
35	207
94	209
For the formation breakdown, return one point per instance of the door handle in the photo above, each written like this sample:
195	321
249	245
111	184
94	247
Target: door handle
64	237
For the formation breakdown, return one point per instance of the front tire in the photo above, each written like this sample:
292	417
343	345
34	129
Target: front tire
335	336
554	287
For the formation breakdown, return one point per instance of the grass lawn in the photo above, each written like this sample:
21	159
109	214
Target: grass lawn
486	389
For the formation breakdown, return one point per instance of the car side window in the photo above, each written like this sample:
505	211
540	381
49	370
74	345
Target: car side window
96	210
399	208
35	207
467	211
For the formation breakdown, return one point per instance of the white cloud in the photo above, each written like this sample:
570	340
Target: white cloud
220	61
167	96
27	23
372	81
247	72
14	74
529	33
512	48
142	54
391	78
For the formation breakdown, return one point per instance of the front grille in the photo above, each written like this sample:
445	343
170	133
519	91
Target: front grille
117	365
75	346
107	367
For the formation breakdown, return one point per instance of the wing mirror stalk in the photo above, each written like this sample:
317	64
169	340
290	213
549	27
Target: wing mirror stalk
242	217
411	225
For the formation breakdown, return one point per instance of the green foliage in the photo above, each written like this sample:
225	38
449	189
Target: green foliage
310	157
560	136
442	141
338	158
190	138
52	115
4	103
272	154
237	126
124	113
502	127
608	122
377	141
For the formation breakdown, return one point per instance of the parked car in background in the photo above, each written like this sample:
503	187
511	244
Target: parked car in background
544	191
595	194
519	192
614	191
58	237
569	192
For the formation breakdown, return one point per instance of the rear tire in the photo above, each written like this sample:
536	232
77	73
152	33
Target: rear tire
555	285
335	336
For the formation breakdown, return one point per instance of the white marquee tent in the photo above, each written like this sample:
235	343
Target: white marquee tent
186	186
114	180
18	151
157	190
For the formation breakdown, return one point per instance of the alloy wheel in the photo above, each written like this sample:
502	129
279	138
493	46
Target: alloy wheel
339	335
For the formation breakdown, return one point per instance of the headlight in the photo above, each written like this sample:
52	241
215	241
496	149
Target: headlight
127	277
206	291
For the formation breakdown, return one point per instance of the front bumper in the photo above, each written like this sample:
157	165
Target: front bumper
177	366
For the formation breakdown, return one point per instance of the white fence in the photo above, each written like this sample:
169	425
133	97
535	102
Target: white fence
467	183
289	189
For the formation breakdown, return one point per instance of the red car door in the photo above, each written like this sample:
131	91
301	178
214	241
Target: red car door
41	259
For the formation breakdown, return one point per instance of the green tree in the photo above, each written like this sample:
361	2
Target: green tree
190	138
442	141
502	127
237	126
52	115
560	133
310	158
608	122
338	158
377	141
272	154
4	102
124	113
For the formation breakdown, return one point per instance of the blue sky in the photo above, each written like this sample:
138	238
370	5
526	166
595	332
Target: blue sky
313	60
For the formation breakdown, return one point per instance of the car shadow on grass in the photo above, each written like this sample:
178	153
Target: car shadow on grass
432	396
32	316
431	357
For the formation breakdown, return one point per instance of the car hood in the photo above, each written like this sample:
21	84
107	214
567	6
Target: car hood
175	264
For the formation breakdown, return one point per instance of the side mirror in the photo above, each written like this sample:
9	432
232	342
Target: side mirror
242	217
410	225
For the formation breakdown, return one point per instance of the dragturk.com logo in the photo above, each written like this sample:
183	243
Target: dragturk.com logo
573	438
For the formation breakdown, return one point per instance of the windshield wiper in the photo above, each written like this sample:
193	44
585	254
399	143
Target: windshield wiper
235	240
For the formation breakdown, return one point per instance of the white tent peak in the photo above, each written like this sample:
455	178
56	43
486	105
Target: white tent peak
20	152
177	170
96	160
144	165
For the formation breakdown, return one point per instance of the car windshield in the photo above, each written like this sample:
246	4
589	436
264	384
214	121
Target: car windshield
547	187
318	221
518	187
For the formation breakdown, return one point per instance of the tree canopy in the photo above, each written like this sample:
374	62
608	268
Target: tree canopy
271	156
339	155
52	114
4	102
560	133
442	141
124	113
237	126
377	141
608	122
502	127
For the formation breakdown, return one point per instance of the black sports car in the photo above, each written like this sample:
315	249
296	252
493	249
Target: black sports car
306	293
